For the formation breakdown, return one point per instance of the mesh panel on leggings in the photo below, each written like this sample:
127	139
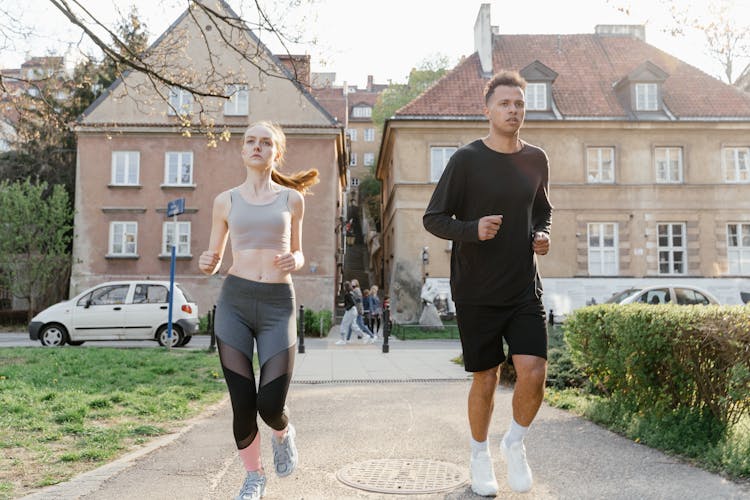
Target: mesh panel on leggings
275	377
238	372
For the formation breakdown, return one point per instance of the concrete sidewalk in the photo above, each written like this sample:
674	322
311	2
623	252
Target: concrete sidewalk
359	413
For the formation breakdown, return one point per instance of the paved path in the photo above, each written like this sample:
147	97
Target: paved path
353	404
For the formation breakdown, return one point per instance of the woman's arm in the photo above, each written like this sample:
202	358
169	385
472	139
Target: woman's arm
210	261
295	259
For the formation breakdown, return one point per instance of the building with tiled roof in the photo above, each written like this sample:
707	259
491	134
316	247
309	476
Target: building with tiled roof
352	106
135	154
743	81
649	161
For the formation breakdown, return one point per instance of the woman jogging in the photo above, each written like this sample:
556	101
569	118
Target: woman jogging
256	306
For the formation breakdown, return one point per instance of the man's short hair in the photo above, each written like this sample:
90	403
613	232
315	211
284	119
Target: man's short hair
506	78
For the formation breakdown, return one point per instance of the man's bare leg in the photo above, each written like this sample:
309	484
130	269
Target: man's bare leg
531	373
481	404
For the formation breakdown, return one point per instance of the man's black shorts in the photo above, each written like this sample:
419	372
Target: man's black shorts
482	329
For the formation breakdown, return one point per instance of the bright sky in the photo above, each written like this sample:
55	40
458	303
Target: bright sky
386	38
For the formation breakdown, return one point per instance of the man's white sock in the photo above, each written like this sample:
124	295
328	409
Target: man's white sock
477	447
516	433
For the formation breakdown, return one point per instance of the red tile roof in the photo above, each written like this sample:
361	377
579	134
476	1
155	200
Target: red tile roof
588	66
332	99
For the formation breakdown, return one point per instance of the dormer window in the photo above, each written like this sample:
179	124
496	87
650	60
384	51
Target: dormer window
640	92
646	97
539	87
361	112
536	97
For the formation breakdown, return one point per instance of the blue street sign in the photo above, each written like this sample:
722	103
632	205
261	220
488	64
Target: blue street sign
176	207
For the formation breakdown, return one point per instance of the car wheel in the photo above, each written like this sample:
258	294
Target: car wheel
76	343
177	336
186	340
53	335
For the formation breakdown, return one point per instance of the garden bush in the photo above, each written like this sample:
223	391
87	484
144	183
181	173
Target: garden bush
313	322
668	359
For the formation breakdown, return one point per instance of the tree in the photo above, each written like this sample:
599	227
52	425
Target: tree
34	249
727	37
397	95
126	51
44	145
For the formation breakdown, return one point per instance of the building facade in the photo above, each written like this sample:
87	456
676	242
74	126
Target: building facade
649	166
135	154
353	107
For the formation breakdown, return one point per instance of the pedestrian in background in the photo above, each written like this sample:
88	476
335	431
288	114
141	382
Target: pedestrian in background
357	293
376	311
348	322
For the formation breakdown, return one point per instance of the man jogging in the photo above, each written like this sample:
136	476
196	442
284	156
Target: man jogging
492	202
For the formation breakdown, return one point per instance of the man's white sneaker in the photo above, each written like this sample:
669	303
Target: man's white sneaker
483	480
519	473
341	342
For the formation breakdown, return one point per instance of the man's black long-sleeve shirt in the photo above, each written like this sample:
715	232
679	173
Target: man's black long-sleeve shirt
479	181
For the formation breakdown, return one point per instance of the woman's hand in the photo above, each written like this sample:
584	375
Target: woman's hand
208	262
288	262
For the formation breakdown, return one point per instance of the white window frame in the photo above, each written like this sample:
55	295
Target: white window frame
131	168
668	170
352	134
354	181
536	97
439	156
181	157
183	238
361	111
666	250
368	159
180	102
353	160
603	256
646	97
738	248
119	246
597	171
369	135
238	103
736	164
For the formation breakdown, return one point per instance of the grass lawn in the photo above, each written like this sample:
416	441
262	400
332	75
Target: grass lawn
65	411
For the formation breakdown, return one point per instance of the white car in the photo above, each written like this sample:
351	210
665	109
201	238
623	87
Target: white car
664	294
118	310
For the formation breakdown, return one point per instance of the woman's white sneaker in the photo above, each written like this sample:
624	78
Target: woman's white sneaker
519	473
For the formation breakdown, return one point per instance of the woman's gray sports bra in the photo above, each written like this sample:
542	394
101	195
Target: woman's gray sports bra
260	226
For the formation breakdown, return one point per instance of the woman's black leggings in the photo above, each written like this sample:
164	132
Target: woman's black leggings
269	401
250	315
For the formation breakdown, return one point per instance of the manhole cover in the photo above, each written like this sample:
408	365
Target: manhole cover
402	476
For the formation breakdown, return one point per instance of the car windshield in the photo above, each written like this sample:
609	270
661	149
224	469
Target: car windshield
619	296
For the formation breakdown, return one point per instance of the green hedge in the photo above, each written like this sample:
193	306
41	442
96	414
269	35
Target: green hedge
410	331
668	359
313	323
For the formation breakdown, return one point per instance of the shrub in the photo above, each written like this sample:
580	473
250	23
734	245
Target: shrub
665	359
13	317
313	321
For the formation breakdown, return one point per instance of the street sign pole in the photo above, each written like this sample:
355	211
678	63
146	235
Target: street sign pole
171	284
174	208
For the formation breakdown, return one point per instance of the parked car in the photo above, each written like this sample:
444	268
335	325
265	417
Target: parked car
118	310
664	294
